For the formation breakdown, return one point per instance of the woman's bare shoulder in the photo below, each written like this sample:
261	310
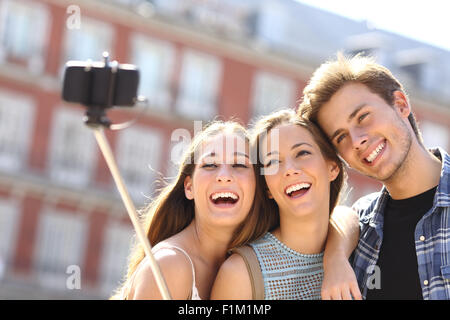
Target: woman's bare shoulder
232	280
176	270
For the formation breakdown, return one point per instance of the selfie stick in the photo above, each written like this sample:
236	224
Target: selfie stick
96	119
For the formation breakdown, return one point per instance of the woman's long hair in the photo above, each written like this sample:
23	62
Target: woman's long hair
269	212
170	212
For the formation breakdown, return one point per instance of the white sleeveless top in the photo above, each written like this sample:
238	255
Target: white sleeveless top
194	291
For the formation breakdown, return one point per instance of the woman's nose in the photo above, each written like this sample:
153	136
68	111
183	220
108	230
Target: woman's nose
224	174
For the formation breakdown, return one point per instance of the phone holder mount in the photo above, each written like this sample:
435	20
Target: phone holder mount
100	86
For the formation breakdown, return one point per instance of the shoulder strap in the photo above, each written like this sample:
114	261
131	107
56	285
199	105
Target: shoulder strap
193	295
254	270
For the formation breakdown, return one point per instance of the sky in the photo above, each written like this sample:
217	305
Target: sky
423	20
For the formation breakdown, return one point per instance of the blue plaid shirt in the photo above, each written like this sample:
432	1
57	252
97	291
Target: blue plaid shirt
432	238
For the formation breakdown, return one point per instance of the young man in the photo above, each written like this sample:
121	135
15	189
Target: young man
404	246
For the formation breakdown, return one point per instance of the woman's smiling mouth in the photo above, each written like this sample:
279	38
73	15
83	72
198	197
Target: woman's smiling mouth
297	190
224	199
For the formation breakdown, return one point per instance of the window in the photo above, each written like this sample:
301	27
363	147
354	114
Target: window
272	22
73	151
419	68
9	221
413	73
139	157
271	92
16	126
173	7
155	61
60	243
116	249
24	26
434	135
199	84
88	42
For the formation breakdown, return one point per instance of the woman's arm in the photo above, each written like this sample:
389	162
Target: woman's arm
176	270
343	234
232	281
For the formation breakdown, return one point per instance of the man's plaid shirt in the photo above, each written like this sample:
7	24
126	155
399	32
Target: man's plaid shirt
432	237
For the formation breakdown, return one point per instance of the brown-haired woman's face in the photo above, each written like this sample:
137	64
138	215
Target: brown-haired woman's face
296	173
223	182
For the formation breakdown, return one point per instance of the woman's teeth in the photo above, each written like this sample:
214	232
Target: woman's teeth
215	196
297	187
224	198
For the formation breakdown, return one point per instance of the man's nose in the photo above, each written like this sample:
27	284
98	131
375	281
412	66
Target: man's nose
359	139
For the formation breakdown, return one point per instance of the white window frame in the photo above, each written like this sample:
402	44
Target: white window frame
71	163
61	242
26	39
117	243
138	153
271	92
155	60
10	213
200	80
17	114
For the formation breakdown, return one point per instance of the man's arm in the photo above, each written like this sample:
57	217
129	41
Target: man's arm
339	279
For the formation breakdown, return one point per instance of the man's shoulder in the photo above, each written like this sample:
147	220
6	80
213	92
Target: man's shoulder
365	205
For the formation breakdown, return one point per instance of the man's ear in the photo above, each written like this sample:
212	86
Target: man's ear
401	104
188	188
333	170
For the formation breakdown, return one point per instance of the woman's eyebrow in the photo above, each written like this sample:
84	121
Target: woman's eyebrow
237	153
300	144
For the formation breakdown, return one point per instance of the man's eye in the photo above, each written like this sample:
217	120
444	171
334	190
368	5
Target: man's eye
363	116
341	137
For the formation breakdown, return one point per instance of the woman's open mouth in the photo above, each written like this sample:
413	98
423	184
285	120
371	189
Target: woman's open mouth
226	199
297	190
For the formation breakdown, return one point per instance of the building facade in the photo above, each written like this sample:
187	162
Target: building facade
60	212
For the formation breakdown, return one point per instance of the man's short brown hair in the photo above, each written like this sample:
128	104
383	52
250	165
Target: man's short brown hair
333	75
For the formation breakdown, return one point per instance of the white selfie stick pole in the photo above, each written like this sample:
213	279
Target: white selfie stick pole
107	153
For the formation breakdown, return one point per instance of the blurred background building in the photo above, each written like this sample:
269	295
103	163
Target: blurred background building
198	59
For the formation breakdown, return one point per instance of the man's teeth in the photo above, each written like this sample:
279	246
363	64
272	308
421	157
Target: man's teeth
374	153
216	196
297	187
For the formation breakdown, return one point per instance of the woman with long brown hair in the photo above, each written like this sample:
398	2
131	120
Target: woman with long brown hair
303	178
195	219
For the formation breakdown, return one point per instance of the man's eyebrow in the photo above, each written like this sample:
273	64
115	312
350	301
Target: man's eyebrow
350	117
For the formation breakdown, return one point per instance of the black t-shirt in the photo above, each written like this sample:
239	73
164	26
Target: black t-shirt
397	261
